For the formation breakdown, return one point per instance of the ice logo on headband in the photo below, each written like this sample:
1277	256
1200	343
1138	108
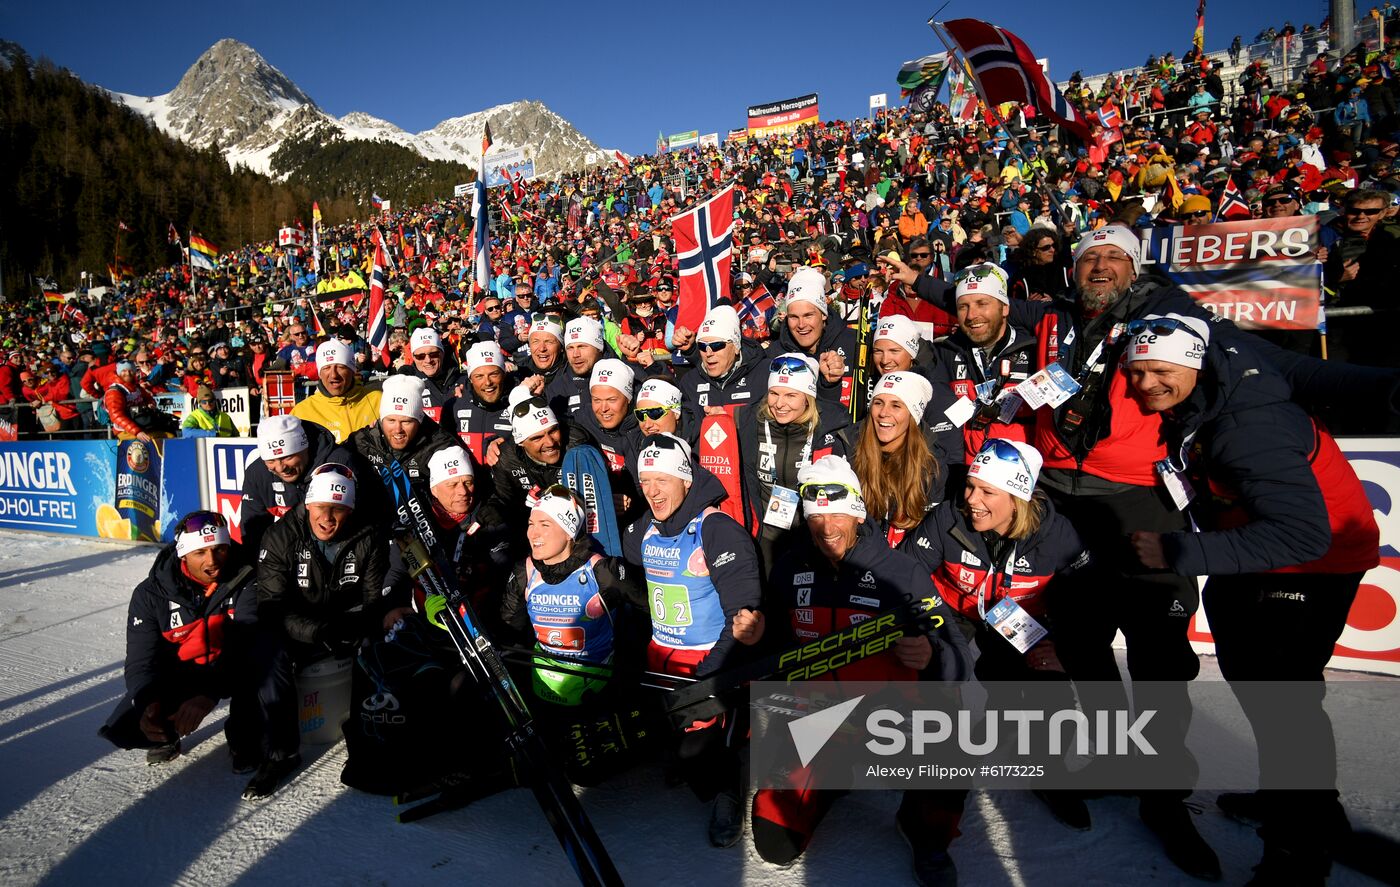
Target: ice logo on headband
453	468
1004	470
277	446
399	402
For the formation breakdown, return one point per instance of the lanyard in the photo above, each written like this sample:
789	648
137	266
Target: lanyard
992	574
773	452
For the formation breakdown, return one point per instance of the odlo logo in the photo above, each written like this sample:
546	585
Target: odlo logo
381	708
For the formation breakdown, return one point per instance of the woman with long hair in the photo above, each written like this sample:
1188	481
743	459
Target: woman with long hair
785	431
1039	267
899	474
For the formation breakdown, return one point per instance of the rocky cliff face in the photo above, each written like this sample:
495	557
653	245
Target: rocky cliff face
231	95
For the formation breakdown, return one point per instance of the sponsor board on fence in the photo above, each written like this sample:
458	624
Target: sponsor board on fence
237	402
782	116
59	487
504	166
222	463
1260	273
138	489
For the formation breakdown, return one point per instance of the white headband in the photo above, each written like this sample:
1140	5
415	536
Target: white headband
208	536
447	463
673	460
900	330
612	373
548	326
1183	347
661	392
584	331
424	337
911	388
485	354
1015	471
808	285
804	382
1112	235
331	488
831	471
541	418
331	352
280	436
979	282
563	510
721	322
402	396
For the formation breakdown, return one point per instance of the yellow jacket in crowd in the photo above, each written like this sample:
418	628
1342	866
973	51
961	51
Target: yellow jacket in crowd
341	416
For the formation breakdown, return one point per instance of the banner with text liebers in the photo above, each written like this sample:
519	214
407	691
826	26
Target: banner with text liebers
782	116
1260	273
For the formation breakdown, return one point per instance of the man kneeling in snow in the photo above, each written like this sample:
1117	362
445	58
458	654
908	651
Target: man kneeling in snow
184	650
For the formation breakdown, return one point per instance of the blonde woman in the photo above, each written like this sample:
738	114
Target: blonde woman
786	432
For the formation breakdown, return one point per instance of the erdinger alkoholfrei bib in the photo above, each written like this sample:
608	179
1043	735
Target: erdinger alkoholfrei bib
686	613
569	616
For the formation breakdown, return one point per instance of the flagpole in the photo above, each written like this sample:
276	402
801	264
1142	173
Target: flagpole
1036	173
189	259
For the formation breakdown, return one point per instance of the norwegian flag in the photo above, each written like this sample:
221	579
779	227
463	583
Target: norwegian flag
1232	204
1006	70
378	322
71	313
704	243
1109	118
754	311
481	239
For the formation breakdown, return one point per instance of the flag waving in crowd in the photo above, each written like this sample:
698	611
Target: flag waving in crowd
704	243
1007	71
202	253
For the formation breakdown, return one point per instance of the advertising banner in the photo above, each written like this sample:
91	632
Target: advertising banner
683	140
737	135
502	166
461	190
709	140
138	489
221	466
1260	273
179	493
238	403
783	116
60	487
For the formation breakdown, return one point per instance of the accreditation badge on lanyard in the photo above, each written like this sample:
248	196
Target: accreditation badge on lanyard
1008	618
1176	484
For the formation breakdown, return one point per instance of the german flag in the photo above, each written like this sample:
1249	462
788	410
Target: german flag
53	298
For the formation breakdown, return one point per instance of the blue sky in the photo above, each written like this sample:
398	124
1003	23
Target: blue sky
619	71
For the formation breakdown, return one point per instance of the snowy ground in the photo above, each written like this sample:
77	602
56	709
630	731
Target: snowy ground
75	811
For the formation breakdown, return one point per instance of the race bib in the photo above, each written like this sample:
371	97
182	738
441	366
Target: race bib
670	605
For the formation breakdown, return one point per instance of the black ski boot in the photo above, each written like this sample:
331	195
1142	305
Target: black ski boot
1170	821
271	773
163	754
726	820
1242	807
933	867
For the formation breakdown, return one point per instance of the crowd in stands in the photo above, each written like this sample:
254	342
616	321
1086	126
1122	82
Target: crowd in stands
981	252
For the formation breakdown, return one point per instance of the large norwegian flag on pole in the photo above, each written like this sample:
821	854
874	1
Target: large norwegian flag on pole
378	337
481	240
1006	71
704	241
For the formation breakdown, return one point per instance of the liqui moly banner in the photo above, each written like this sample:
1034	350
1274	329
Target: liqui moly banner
1260	273
782	116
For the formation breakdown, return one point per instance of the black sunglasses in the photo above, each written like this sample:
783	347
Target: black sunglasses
522	409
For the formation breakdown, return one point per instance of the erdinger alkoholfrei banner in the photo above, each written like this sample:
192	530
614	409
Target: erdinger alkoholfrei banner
788	114
1260	273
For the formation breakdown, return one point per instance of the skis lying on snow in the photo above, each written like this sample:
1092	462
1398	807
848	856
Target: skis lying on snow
454	792
552	791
